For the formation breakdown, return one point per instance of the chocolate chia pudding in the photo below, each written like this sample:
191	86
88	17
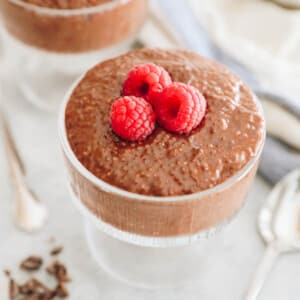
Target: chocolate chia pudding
178	184
68	26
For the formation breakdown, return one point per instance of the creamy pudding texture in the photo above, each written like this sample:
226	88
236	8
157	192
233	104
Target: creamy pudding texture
165	164
66	4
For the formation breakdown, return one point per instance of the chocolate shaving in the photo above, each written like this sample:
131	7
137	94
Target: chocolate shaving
56	251
32	263
48	296
59	271
14	289
61	290
33	289
37	291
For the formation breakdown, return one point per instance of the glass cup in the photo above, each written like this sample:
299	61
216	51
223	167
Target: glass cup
50	46
147	241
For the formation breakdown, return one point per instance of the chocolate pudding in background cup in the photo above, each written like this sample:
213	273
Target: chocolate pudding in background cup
66	37
140	198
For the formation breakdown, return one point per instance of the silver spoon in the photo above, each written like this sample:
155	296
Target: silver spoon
30	213
279	226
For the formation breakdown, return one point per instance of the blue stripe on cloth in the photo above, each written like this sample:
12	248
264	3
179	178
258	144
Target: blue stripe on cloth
277	160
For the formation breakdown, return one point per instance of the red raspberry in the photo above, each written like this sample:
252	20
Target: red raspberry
180	108
146	81
132	118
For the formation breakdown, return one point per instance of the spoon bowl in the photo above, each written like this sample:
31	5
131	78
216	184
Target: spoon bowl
279	218
279	226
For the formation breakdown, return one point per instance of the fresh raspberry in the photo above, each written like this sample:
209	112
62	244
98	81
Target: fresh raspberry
146	81
132	118
180	108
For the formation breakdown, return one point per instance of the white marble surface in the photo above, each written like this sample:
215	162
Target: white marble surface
226	278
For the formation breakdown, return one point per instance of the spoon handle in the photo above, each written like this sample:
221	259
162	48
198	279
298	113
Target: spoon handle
14	159
263	269
30	213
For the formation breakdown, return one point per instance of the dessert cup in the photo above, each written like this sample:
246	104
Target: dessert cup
50	46
145	240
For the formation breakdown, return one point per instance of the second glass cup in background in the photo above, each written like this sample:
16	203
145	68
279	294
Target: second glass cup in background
51	46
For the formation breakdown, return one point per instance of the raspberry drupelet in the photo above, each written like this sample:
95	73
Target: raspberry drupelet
180	108
132	118
146	81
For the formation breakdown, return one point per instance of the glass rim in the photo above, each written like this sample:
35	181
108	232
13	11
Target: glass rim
66	12
134	196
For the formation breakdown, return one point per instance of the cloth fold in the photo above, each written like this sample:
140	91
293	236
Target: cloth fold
278	158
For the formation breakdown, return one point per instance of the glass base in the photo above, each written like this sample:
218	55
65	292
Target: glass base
146	241
151	262
152	268
44	77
